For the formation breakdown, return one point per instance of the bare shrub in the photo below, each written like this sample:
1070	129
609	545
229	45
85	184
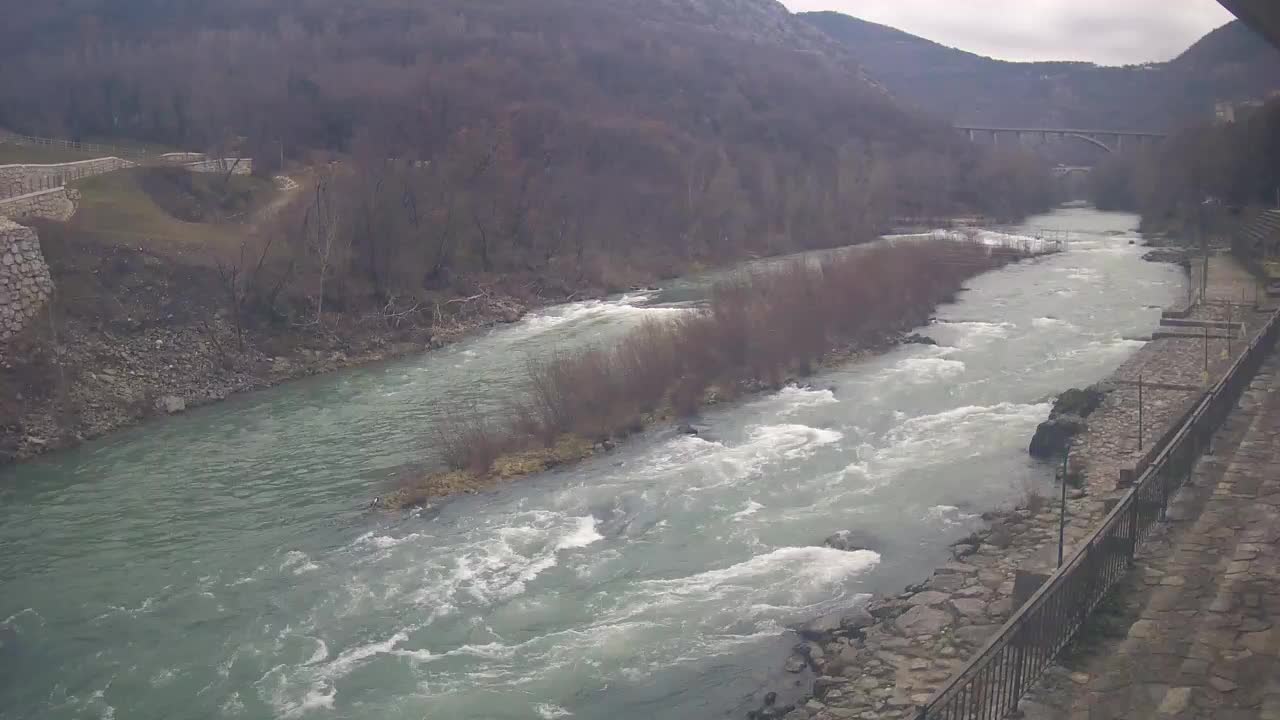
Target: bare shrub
760	326
1035	502
469	441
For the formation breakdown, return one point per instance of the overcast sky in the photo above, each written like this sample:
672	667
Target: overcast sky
1108	32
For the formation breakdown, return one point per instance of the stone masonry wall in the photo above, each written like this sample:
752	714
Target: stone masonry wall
242	166
23	179
25	283
55	204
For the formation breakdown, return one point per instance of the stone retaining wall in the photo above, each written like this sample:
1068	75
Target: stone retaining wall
56	204
25	283
24	179
237	166
182	157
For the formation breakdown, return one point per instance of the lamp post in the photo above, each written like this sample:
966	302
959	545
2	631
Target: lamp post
1139	413
1062	508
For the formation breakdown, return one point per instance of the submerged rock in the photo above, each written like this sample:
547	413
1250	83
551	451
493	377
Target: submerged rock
918	339
851	541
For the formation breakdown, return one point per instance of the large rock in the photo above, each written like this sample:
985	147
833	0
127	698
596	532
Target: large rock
171	404
974	635
928	597
821	628
1054	436
1080	403
922	620
1066	420
857	619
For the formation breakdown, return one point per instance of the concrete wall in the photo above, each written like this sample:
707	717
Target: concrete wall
244	166
25	284
22	179
55	204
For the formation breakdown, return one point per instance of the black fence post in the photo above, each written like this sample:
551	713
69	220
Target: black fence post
1132	545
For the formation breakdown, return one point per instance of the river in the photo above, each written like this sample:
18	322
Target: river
221	564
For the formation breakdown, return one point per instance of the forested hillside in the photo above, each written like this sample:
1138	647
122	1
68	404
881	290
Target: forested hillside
1233	166
1230	63
572	139
456	161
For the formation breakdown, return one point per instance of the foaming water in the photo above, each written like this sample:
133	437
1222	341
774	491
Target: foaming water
223	563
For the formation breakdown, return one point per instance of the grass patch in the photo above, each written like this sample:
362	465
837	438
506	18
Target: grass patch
418	491
136	207
203	197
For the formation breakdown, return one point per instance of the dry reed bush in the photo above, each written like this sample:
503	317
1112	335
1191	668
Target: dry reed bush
762	327
469	441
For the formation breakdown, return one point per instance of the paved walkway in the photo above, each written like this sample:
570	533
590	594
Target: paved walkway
1229	281
1176	372
1194	631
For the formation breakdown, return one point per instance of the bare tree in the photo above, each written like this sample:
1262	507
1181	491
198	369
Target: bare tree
321	233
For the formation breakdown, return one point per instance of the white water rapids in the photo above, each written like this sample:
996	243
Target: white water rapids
220	564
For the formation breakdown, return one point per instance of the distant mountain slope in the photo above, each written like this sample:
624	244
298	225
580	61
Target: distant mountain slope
1230	63
709	128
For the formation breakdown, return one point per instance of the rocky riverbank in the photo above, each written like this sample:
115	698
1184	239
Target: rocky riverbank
885	659
71	380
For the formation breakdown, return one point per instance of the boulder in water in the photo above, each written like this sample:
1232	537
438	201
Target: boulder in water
1066	420
918	339
850	541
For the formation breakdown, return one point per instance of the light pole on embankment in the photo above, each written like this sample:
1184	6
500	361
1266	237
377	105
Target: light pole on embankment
1062	508
1139	413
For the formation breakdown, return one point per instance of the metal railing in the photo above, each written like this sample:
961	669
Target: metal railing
117	150
990	685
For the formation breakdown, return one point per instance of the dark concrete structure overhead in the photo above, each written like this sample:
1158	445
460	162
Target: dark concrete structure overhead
1261	15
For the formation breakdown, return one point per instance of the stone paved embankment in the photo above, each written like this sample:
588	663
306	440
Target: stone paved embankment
1195	635
883	661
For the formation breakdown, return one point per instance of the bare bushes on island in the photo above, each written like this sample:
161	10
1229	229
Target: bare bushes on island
757	330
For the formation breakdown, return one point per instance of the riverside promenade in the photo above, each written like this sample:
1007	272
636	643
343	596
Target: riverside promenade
887	660
1192	632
